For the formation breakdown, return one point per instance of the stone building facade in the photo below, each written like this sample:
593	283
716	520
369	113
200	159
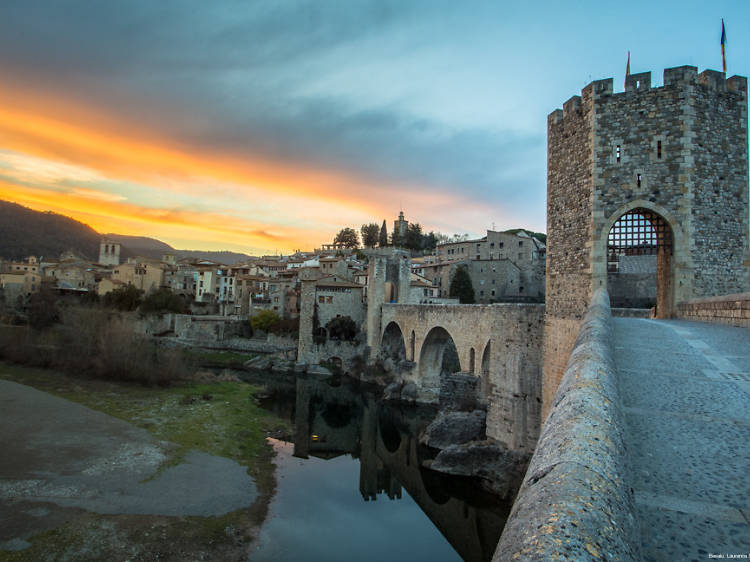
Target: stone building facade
676	155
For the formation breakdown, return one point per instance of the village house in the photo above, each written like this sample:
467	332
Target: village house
20	278
336	297
75	275
503	266
146	274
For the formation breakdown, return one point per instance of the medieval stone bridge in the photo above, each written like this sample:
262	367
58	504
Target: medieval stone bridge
499	344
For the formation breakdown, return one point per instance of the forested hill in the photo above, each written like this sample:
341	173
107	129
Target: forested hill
24	233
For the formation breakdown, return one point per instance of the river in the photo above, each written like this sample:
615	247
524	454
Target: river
352	484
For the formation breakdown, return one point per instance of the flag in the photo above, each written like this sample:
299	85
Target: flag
723	42
627	70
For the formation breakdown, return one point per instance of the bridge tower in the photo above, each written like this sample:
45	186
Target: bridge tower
659	169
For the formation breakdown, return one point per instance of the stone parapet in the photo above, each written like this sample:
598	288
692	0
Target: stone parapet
733	310
576	502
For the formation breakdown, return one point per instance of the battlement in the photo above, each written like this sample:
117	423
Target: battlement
640	83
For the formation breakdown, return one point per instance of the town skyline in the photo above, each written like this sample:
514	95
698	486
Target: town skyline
264	128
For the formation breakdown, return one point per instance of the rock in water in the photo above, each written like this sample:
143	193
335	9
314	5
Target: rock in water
454	428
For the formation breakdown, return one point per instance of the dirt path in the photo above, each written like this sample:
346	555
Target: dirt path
63	462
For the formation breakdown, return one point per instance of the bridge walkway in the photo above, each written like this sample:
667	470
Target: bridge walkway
686	391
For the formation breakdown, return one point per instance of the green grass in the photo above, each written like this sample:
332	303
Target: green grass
220	358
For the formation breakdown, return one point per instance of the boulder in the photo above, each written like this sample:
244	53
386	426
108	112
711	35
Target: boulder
453	428
392	391
409	392
501	469
318	370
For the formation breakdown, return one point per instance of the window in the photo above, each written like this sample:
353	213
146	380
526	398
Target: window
493	292
481	293
520	243
638	179
500	244
658	150
329	299
321	299
492	244
618	154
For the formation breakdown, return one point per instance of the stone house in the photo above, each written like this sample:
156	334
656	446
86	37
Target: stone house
20	278
74	275
335	297
146	274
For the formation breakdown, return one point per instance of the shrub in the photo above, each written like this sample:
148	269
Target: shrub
95	342
163	300
42	311
265	320
286	326
126	297
342	328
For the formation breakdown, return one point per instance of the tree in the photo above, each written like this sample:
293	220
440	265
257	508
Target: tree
347	237
163	300
383	238
126	297
341	328
370	234
396	241
265	320
429	241
413	239
461	285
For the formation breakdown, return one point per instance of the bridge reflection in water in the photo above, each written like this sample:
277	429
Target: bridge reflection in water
338	417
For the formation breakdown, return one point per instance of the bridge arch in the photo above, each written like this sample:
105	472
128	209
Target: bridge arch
392	343
484	377
437	357
640	244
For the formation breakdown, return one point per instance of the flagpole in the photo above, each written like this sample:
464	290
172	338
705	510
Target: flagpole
723	42
627	71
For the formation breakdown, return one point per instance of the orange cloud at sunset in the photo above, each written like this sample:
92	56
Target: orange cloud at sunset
196	227
188	195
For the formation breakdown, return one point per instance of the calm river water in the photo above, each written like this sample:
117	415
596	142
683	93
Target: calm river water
351	484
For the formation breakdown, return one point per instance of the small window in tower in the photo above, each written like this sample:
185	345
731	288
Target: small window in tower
658	150
638	179
618	153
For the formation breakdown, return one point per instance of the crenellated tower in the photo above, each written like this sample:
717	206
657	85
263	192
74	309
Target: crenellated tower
651	169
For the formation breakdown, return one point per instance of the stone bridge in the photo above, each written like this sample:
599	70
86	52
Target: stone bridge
498	345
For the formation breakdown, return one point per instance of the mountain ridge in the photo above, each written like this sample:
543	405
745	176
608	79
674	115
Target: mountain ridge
25	232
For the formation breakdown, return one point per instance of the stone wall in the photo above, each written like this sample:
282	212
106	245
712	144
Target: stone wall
733	310
349	353
576	501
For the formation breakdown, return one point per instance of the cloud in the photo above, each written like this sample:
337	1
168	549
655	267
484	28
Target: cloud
266	100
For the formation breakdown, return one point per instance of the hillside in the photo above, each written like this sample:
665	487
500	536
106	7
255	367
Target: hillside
24	232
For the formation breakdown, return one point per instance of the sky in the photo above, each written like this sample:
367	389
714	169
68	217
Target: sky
267	126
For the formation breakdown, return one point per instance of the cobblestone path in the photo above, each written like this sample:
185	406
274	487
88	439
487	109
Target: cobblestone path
686	391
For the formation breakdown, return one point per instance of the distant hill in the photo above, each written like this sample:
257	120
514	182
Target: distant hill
25	232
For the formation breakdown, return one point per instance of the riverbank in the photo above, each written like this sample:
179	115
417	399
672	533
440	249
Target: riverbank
190	423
